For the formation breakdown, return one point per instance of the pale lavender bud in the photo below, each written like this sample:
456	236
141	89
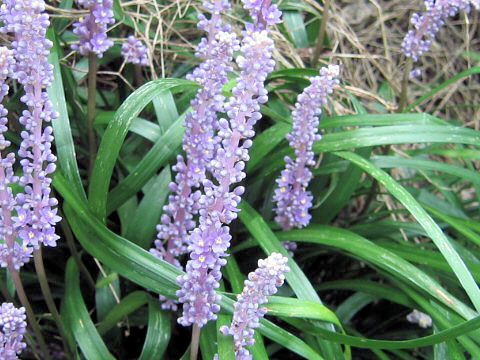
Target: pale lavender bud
216	51
219	203
290	246
37	215
418	40
134	51
292	198
92	29
12	328
247	313
415	73
417	317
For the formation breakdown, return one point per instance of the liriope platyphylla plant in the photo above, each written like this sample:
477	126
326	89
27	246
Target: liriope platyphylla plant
216	50
29	217
293	200
12	329
210	240
248	311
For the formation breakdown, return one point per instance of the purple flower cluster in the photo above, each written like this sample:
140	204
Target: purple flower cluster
418	40
134	51
292	198
247	313
92	29
263	13
36	215
216	51
219	203
12	328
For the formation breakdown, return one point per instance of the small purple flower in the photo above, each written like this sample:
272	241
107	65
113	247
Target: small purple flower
418	40
134	51
415	73
292	198
92	29
261	283
12	328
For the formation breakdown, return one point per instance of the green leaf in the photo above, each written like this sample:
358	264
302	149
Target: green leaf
367	251
78	319
208	337
346	186
432	229
287	307
67	159
115	135
158	333
166	110
164	149
384	135
440	337
141	229
225	348
293	21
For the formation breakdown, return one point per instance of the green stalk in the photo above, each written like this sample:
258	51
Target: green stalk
404	93
29	311
47	295
91	107
321	34
195	342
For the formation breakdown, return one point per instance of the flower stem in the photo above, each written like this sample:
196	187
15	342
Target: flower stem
138	75
321	34
195	342
91	106
404	92
47	295
29	311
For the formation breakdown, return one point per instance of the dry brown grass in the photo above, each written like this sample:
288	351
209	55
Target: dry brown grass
365	38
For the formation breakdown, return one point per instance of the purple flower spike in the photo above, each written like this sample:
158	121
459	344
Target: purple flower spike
12	328
219	203
198	143
10	252
134	51
92	29
247	313
418	40
292	198
36	213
